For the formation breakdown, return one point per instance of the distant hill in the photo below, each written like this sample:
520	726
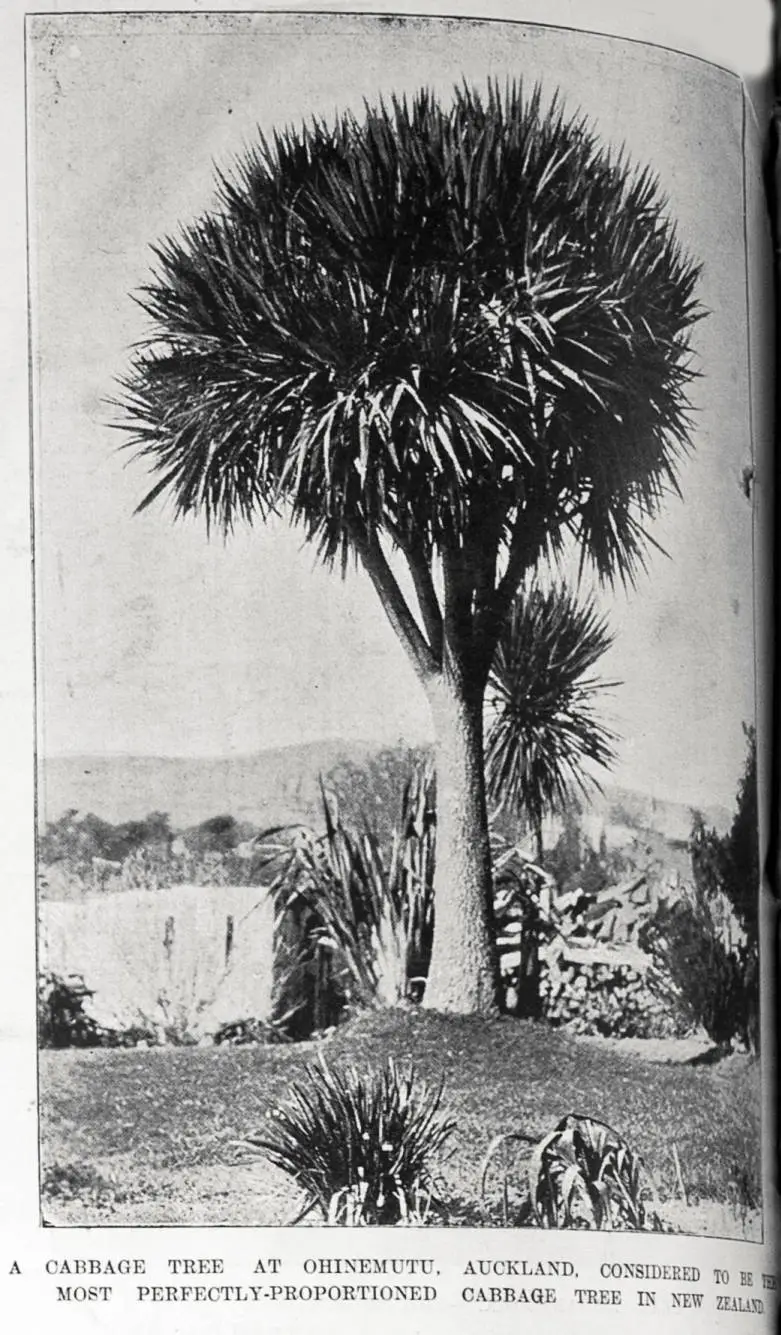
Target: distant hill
627	806
268	788
273	787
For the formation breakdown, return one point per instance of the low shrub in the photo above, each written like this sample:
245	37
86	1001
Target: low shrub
584	1175
80	1183
238	1033
581	1175
362	1147
64	1023
62	1019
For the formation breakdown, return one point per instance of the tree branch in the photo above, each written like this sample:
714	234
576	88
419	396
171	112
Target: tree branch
482	546
428	601
424	660
526	542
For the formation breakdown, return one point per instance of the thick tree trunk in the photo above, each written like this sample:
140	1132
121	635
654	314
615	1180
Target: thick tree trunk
463	975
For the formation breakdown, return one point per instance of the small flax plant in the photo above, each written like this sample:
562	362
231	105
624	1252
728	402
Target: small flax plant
370	906
581	1175
361	1146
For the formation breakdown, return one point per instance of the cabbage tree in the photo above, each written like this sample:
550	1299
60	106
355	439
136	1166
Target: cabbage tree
445	336
544	739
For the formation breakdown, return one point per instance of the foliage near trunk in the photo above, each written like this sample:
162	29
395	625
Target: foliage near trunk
362	904
543	735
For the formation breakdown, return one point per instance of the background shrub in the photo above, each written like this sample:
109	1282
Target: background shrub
82	1184
64	1023
62	1020
709	982
368	792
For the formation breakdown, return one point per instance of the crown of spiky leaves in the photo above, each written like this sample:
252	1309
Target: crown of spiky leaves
544	736
393	319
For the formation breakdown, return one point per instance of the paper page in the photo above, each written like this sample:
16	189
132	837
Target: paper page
192	692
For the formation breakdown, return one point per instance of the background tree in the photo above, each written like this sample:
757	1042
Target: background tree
728	866
729	863
369	791
454	332
543	734
741	846
76	839
218	834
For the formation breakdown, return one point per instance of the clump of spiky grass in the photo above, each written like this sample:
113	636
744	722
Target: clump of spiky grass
369	905
363	1147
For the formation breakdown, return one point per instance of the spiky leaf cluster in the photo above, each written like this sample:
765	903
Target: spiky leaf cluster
543	733
368	903
584	1175
371	1138
408	320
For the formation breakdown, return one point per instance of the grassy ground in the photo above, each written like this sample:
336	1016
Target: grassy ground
136	1136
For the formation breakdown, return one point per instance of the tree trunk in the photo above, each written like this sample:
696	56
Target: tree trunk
539	851
463	975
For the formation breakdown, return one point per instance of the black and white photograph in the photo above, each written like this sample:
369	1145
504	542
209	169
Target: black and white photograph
393	459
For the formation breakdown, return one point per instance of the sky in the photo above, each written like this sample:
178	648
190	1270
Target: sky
153	640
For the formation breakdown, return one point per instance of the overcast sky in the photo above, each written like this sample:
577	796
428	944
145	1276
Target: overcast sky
153	640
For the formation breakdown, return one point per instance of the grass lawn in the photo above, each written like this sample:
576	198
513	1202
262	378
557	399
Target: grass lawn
134	1136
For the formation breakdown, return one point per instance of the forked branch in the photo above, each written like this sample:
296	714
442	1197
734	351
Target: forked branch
424	659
